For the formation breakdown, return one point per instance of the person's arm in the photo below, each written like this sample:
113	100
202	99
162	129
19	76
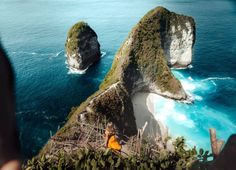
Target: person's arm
11	165
9	141
106	138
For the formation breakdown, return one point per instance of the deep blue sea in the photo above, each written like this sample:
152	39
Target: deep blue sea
34	34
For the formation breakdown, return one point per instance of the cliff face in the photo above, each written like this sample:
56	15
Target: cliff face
141	62
139	65
82	46
178	40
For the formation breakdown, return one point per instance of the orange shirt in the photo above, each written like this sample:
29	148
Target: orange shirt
113	143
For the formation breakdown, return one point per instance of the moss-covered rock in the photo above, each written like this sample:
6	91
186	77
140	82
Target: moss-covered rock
139	65
141	62
82	46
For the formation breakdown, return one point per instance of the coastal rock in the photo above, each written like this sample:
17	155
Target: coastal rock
178	38
141	62
82	47
139	66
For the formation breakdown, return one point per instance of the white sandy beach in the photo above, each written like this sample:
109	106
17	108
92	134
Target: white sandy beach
144	112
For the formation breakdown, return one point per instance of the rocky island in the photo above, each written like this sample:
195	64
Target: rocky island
82	47
140	69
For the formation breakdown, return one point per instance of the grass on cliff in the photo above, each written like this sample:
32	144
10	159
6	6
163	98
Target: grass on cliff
85	158
151	59
73	35
145	53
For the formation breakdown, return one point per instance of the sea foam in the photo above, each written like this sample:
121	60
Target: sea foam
76	71
193	121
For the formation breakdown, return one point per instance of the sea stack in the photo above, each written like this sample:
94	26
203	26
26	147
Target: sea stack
82	47
140	66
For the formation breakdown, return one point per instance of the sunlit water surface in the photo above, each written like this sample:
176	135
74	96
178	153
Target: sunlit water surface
34	34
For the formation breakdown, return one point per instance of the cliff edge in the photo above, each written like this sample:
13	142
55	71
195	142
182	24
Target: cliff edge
82	47
140	65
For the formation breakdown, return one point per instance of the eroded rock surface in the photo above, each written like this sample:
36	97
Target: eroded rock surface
179	38
82	47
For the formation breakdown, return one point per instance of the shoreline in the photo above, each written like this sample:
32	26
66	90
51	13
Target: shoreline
144	112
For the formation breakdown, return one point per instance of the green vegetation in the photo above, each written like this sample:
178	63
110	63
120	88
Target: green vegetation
142	57
112	76
73	36
145	54
139	60
182	158
149	52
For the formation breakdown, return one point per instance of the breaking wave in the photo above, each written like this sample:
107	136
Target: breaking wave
194	120
50	55
76	71
103	54
218	78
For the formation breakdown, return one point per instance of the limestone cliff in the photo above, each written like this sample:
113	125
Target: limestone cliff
82	46
178	38
139	65
141	61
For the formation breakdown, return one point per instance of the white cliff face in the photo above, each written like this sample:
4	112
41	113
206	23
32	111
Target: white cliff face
72	61
178	45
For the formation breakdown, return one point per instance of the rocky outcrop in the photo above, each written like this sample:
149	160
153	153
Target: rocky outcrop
141	62
82	47
140	65
178	40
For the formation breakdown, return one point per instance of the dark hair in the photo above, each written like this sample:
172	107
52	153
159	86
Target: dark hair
9	141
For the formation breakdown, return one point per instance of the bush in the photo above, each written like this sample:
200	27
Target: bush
182	158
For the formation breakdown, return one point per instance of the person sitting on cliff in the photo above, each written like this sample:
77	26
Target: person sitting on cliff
111	139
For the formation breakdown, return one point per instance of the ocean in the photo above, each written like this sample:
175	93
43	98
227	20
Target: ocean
34	34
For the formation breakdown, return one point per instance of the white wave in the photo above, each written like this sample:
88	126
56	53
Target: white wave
103	54
24	52
189	86
193	85
198	98
57	54
165	110
178	75
193	121
36	53
190	78
53	55
190	66
46	54
182	68
213	83
218	78
76	71
178	68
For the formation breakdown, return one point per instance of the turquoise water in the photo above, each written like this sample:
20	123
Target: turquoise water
34	34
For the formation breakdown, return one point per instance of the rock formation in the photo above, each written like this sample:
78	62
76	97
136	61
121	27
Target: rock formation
82	47
140	65
178	39
141	62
